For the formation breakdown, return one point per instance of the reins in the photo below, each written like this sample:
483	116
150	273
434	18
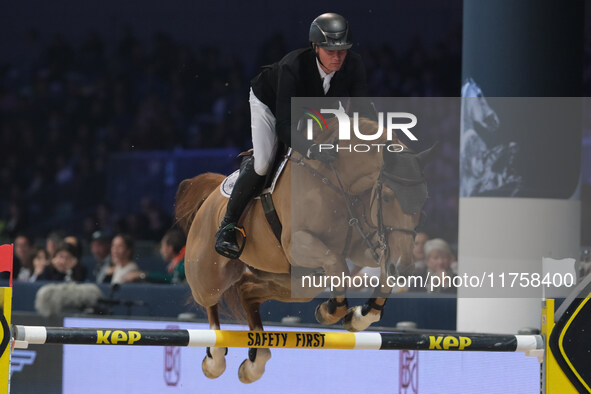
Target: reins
353	221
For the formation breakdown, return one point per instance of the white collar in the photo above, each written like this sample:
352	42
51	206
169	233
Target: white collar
321	71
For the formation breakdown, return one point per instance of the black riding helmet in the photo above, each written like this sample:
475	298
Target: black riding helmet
330	31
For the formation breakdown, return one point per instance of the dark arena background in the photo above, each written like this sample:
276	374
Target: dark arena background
106	106
91	90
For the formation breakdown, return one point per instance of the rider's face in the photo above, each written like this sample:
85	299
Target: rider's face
331	60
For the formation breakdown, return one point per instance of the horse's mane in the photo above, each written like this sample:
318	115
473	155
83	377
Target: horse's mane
190	196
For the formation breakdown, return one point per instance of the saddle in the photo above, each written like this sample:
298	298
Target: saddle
281	158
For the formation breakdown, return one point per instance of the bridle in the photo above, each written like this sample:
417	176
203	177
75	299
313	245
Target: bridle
381	230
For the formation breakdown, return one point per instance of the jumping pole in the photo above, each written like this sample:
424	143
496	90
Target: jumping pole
278	339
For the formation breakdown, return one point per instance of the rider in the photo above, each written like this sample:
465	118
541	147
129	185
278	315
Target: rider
326	69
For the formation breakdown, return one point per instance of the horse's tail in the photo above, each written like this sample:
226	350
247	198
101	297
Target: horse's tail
190	196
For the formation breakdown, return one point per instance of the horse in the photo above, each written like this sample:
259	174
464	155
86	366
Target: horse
379	194
486	164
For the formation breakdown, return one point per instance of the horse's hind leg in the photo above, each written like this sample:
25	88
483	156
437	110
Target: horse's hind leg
253	367
214	363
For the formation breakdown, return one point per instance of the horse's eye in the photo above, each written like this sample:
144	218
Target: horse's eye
387	198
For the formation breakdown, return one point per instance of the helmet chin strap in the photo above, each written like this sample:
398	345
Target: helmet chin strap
315	47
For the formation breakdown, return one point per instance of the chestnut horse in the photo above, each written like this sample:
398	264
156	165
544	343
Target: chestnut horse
363	206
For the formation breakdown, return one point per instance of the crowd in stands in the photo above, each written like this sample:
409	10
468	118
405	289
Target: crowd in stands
112	259
66	108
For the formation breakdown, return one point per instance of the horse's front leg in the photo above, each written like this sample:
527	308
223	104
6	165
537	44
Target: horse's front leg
214	363
309	251
360	317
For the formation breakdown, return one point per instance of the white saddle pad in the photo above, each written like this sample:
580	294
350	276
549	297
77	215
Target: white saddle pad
228	183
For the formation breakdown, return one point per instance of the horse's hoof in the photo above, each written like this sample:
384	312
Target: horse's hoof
323	317
251	371
354	321
213	368
348	320
242	373
318	314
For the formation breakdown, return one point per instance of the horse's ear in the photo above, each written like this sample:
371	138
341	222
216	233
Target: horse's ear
426	156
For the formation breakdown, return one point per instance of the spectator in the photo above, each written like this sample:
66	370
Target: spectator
53	241
74	241
172	250
65	265
23	260
40	262
438	259
419	253
100	248
122	249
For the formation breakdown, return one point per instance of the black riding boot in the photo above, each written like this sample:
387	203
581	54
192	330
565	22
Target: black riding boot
245	189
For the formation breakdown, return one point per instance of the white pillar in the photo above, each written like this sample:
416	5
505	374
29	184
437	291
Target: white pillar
518	49
510	235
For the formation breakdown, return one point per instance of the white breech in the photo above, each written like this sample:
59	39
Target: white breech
264	137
